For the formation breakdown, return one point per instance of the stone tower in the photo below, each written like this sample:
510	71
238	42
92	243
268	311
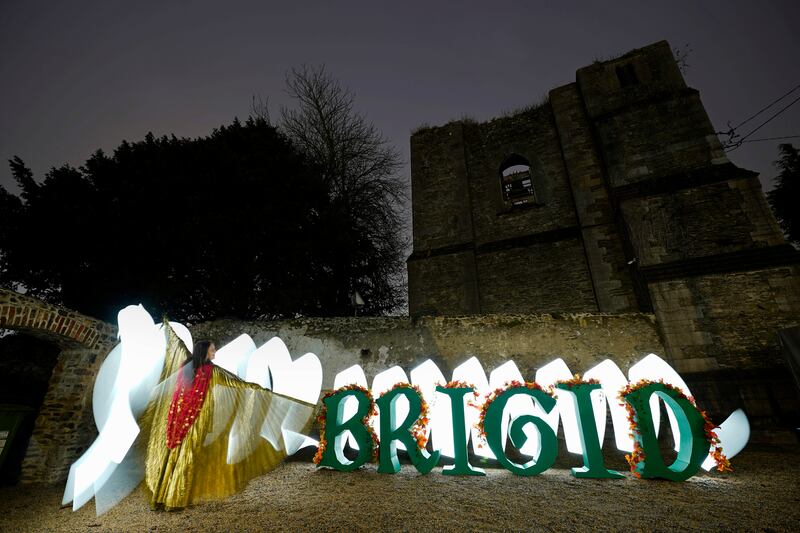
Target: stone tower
613	196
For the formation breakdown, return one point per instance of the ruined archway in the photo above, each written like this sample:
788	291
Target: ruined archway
63	426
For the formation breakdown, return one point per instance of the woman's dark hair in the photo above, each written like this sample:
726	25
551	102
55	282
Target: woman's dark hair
199	354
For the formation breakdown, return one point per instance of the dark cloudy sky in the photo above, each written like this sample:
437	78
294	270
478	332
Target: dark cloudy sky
76	76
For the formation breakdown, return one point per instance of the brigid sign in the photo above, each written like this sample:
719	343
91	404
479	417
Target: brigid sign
694	436
422	413
484	412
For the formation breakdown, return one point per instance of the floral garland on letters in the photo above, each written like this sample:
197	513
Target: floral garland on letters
723	464
323	413
497	392
577	380
419	429
464	385
460	385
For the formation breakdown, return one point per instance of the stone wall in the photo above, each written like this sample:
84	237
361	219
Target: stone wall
582	340
532	135
551	276
476	253
440	174
64	426
661	139
445	284
376	344
717	269
605	254
727	320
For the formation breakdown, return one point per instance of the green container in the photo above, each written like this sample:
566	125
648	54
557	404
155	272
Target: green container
11	418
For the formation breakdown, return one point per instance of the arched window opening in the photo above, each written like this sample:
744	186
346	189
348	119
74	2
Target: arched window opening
516	180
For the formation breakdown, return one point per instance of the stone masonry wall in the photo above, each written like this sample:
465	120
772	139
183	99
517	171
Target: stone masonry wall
655	68
550	277
51	322
716	266
533	136
661	139
582	340
474	253
64	427
727	320
440	174
701	221
604	251
443	285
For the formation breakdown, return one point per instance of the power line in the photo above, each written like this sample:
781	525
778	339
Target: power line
772	139
739	142
770	119
731	131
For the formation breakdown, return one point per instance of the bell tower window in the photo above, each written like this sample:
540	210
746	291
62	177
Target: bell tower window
516	180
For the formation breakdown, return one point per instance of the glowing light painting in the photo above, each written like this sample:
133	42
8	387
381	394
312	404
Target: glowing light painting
110	468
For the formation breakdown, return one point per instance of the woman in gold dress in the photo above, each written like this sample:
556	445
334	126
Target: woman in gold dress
211	432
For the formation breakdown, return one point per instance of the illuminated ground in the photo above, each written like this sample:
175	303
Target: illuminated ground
762	494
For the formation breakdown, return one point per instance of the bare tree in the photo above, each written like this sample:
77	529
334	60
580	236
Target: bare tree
259	109
361	170
682	57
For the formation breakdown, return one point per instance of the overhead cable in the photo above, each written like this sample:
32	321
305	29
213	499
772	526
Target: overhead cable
739	142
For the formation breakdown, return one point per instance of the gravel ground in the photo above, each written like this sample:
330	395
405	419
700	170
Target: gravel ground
763	494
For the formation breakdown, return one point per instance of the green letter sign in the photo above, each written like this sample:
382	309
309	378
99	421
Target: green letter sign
693	443
334	427
593	464
392	432
461	466
493	425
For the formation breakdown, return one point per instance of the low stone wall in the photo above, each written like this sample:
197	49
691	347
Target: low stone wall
768	396
376	344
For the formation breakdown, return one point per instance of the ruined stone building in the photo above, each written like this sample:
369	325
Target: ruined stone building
613	196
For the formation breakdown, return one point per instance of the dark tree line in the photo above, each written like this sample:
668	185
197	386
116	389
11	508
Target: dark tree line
785	197
243	223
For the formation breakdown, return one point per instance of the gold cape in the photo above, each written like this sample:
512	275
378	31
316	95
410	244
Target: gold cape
238	435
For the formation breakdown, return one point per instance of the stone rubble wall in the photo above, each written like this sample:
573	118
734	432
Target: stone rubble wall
531	341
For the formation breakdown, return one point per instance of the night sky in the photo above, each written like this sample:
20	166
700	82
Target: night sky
77	76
